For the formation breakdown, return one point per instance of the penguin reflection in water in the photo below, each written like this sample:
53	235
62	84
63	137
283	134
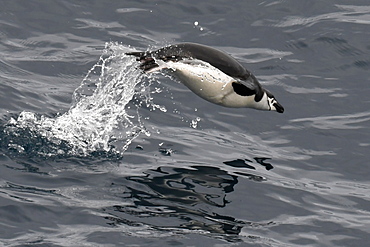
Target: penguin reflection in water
211	74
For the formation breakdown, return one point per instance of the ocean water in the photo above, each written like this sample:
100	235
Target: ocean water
95	153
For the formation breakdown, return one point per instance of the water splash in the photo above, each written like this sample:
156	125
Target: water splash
104	117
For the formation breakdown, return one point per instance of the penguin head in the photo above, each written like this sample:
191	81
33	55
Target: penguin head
268	102
257	98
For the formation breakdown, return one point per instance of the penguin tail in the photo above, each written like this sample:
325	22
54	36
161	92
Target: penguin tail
136	53
147	63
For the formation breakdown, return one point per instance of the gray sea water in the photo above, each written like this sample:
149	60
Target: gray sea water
94	153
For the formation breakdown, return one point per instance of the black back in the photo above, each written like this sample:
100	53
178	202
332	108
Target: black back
247	85
216	58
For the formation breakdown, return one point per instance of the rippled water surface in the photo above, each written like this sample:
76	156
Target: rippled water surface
95	153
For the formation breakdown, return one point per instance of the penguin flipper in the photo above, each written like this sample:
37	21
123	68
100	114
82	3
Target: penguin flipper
249	86
242	89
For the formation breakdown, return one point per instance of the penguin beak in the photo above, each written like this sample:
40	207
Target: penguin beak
279	108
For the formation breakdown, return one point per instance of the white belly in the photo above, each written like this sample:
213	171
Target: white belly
208	82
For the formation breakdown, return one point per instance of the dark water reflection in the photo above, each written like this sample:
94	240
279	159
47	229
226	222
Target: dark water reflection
180	198
243	163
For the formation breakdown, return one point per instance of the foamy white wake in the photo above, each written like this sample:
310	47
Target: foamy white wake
103	118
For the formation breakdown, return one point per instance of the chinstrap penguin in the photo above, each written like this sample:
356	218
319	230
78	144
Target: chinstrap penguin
211	74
